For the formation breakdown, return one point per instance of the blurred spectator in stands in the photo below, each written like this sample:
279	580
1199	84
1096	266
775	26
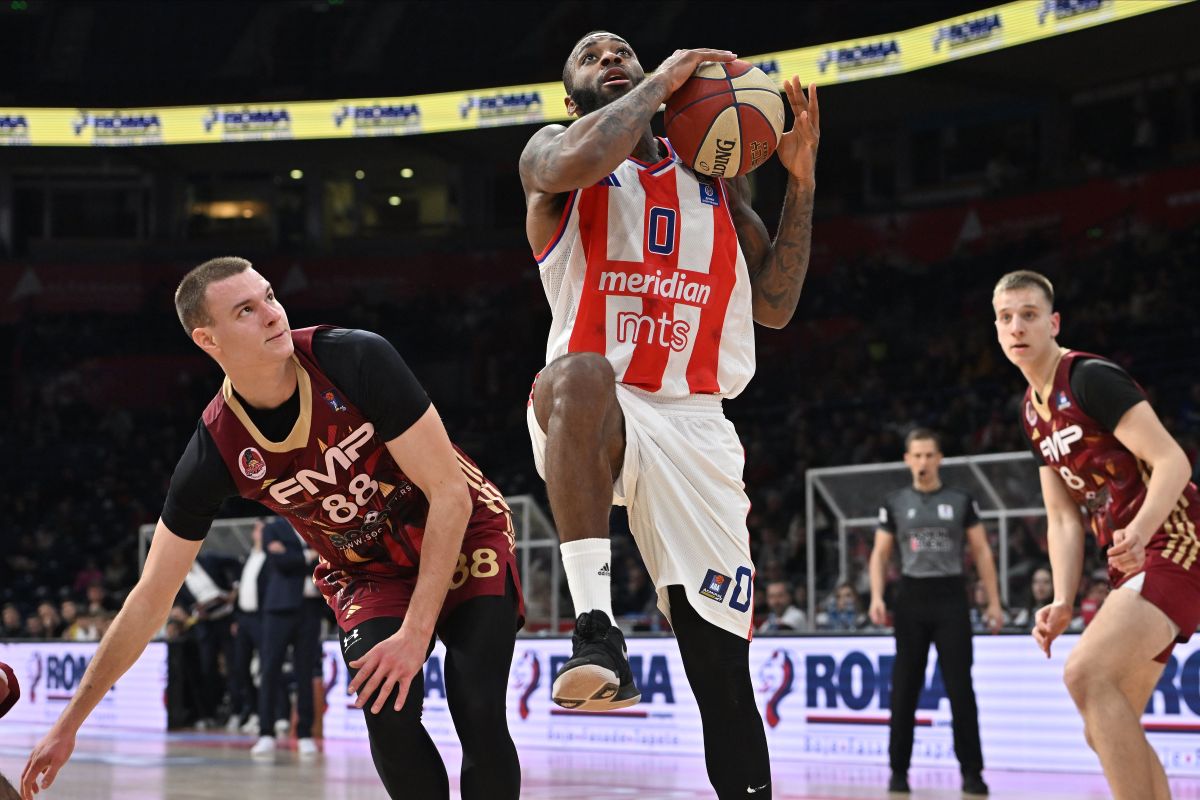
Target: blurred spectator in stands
635	595
1092	600
1041	593
34	627
11	625
781	614
51	621
843	610
98	602
979	608
800	595
87	576
69	612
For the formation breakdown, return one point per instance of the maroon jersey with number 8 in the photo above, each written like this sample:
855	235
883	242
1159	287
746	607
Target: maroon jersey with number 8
1102	474
335	481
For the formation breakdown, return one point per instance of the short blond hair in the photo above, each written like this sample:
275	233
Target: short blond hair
189	297
1025	279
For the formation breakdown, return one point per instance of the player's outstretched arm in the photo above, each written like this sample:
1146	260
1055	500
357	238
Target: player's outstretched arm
881	554
1064	535
425	455
144	612
1143	434
560	159
777	269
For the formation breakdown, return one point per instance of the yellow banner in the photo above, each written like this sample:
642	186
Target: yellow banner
987	30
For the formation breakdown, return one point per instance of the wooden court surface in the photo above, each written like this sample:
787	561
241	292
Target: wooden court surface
196	766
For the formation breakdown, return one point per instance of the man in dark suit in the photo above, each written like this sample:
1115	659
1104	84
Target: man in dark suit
208	593
288	619
251	590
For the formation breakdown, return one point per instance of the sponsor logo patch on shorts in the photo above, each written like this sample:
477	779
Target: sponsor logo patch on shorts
715	586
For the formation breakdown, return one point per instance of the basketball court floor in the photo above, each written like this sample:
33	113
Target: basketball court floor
196	766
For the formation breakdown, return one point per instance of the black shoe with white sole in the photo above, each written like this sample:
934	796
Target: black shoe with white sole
597	678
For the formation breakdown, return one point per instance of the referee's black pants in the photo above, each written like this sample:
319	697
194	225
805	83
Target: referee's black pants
933	610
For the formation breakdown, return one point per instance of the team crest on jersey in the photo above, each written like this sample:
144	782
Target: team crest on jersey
709	194
1063	402
912	512
715	586
333	400
252	463
1030	414
945	511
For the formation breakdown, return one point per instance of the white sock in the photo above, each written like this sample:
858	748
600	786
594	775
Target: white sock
587	562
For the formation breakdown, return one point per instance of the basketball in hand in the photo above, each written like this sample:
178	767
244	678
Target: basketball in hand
726	120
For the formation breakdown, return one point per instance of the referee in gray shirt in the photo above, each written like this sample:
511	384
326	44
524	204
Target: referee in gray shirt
932	523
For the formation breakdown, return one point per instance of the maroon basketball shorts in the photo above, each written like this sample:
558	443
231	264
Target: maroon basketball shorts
1172	589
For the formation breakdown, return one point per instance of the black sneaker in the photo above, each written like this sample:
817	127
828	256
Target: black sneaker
597	678
899	783
973	784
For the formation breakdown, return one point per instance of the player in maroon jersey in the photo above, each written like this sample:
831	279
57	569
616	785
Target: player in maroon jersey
1102	447
330	429
656	276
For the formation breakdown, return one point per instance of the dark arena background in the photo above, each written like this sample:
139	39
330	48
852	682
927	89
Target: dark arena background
364	156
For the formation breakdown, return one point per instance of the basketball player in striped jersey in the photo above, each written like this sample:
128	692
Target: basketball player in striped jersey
1102	447
655	276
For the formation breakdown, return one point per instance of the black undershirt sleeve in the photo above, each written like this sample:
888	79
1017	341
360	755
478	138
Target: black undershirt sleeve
1104	391
971	515
887	520
374	377
200	484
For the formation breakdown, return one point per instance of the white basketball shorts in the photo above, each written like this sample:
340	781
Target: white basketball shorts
682	484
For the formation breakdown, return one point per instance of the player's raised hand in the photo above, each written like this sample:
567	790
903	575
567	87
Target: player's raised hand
391	664
46	760
798	147
1050	622
1128	552
681	64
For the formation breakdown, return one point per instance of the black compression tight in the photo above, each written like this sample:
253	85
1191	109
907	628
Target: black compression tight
479	637
717	664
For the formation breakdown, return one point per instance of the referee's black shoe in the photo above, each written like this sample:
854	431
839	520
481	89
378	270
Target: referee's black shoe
597	678
898	783
973	784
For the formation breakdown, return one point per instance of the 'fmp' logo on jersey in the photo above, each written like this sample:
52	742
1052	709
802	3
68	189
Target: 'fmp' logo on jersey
252	464
1063	402
715	586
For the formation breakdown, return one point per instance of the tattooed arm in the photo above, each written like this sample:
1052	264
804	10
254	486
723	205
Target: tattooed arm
558	159
777	269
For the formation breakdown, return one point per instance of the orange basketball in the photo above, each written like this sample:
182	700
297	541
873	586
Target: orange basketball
726	120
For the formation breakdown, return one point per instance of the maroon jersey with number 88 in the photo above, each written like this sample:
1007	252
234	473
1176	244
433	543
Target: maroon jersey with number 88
335	481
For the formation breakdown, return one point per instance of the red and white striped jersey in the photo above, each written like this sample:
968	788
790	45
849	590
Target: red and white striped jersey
645	268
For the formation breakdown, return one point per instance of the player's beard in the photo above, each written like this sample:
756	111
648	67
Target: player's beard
590	98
